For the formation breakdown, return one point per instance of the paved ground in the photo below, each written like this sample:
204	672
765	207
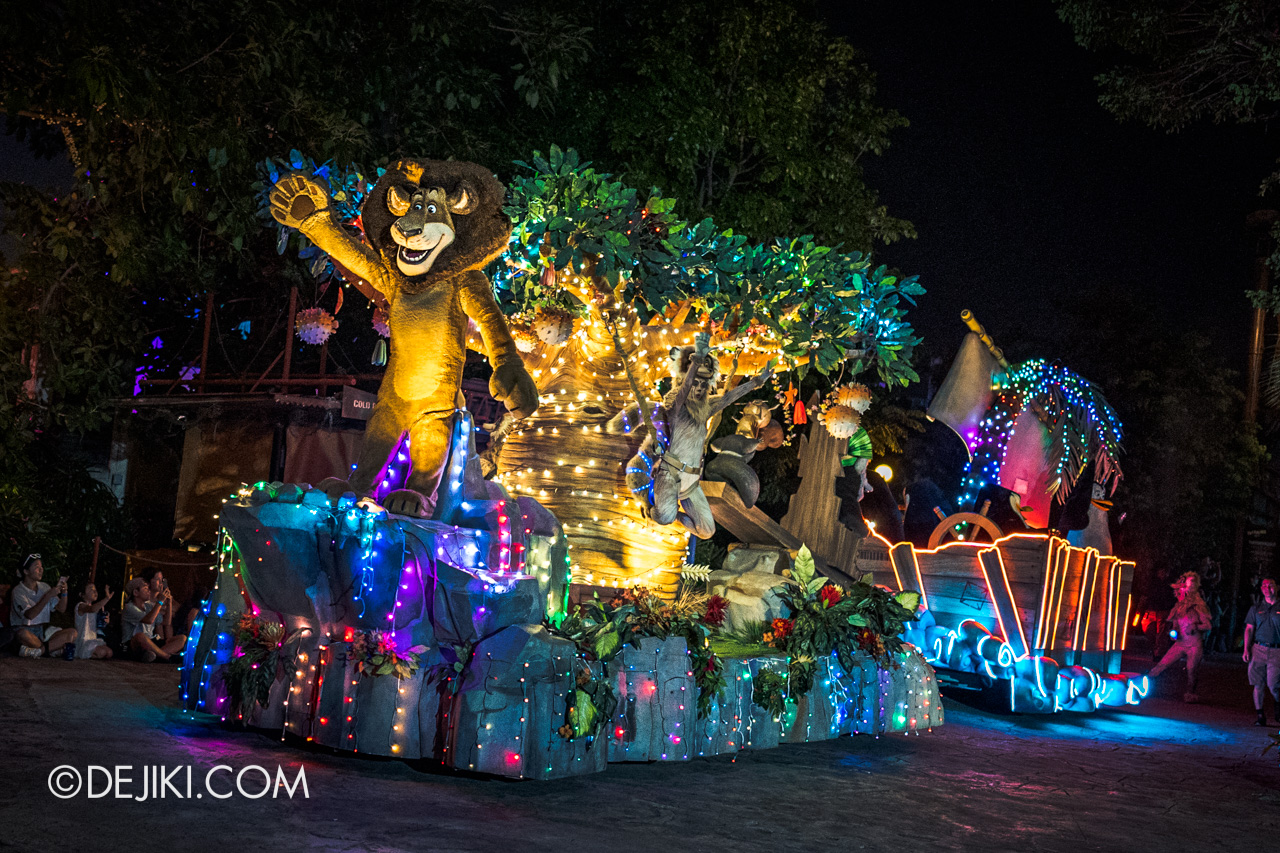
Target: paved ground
1167	777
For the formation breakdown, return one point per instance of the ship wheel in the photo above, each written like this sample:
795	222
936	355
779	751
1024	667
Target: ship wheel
964	526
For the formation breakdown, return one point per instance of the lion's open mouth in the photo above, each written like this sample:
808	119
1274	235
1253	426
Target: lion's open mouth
413	256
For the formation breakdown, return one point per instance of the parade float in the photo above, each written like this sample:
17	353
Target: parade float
1020	590
439	604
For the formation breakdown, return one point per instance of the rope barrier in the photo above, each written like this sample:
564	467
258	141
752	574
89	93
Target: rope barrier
155	562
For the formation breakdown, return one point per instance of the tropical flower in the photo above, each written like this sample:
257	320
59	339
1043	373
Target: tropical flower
830	595
717	607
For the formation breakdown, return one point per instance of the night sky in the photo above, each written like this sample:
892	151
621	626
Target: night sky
1021	185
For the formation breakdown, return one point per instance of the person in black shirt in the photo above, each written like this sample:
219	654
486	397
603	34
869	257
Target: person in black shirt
1262	649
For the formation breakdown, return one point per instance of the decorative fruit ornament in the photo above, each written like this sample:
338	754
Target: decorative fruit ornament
854	395
524	337
315	325
841	421
553	326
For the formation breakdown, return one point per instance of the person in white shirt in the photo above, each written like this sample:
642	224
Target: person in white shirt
33	606
139	624
88	643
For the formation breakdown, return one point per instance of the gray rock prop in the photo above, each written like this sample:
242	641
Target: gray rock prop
210	646
324	571
856	694
866	699
504	719
747	580
735	722
335	711
465	608
302	676
911	700
811	716
657	714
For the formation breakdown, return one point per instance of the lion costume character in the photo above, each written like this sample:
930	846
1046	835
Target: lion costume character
431	228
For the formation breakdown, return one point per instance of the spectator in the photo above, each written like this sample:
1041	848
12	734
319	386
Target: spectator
139	623
33	606
88	643
164	621
1190	620
1262	649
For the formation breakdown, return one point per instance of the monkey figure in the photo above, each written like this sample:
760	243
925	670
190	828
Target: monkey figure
666	471
731	464
431	227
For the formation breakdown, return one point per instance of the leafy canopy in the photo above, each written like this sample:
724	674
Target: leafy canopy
808	301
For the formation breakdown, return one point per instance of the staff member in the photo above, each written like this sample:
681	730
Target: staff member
1262	649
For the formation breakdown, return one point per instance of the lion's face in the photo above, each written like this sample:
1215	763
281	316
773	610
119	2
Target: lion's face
424	224
430	220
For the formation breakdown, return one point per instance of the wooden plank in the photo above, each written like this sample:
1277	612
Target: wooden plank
750	526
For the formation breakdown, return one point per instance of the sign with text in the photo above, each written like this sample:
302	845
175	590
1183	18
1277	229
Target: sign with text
356	403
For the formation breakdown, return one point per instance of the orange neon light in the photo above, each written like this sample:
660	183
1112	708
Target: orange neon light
986	577
1044	594
1043	638
924	596
1062	593
1124	635
893	562
1095	564
1057	572
1115	597
1013	604
1084	579
1106	603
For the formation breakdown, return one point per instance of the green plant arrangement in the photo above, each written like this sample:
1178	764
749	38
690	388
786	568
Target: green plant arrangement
252	670
823	619
375	653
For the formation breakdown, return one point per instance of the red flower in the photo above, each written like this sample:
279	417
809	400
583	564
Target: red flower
781	629
830	595
866	639
716	609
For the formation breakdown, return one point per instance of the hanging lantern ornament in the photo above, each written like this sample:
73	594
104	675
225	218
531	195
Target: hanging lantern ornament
315	325
548	278
553	326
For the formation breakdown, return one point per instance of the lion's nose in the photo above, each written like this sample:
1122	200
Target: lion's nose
407	232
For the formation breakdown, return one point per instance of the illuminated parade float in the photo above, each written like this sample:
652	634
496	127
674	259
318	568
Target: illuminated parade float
1005	601
530	607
